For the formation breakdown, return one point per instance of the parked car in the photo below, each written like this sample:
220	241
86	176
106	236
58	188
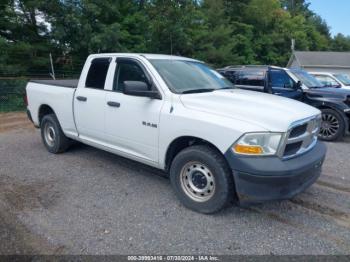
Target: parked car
299	85
177	114
333	80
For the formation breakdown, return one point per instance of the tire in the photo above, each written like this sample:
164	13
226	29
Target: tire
52	135
203	170
333	125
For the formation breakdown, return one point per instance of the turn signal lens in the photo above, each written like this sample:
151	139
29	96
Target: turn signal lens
248	150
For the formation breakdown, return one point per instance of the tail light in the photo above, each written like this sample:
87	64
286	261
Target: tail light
25	100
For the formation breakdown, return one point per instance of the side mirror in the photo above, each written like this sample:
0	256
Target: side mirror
298	85
139	88
288	86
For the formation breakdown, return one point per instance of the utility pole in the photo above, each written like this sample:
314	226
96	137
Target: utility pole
292	8
52	74
171	43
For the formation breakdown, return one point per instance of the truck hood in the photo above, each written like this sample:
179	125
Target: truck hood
328	92
270	112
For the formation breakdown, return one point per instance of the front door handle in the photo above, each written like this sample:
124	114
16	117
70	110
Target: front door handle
113	104
81	98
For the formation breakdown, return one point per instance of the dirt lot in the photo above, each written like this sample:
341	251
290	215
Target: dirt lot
87	201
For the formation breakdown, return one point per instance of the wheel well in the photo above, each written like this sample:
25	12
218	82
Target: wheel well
181	143
43	111
324	107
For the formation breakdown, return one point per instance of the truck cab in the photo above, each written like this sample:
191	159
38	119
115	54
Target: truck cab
297	84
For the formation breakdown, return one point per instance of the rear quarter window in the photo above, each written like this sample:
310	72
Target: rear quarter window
230	75
250	78
96	76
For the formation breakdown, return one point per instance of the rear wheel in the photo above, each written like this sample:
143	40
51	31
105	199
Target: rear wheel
202	179
52	135
332	126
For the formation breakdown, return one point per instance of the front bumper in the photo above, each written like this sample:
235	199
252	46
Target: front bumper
347	120
260	179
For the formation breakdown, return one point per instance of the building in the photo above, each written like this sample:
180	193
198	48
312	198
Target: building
334	62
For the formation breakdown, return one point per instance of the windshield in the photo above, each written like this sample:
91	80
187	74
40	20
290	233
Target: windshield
189	77
307	79
344	78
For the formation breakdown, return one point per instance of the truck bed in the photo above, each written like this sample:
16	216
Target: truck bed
70	83
58	95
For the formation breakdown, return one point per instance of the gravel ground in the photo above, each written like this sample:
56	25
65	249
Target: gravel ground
87	201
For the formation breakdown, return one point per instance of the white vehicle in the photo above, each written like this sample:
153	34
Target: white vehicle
216	142
333	80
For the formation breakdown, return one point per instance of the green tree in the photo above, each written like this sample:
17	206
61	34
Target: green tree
242	32
172	25
341	43
274	27
220	32
214	42
24	41
92	26
301	7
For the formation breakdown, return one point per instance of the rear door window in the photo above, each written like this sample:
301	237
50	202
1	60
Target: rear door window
230	75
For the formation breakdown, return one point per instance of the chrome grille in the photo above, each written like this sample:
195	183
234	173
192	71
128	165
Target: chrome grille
300	138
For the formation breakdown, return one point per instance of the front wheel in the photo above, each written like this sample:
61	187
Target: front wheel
202	179
332	126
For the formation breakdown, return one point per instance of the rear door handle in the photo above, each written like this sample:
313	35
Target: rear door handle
113	104
81	98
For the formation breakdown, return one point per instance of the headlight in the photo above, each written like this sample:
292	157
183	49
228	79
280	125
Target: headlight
347	101
263	144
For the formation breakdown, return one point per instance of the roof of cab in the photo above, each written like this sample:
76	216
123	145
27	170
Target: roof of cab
250	67
147	56
321	73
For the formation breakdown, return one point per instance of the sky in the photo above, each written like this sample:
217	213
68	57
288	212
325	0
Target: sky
335	12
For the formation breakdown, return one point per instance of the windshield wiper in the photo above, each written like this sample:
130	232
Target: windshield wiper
203	90
227	87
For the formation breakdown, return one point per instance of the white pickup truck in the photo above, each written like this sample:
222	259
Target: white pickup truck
217	143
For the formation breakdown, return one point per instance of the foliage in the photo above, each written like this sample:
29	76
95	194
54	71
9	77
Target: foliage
220	32
11	94
341	43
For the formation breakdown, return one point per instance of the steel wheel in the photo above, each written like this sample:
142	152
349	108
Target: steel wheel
49	134
197	181
330	125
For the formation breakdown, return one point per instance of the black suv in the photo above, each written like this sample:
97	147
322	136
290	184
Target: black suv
297	84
